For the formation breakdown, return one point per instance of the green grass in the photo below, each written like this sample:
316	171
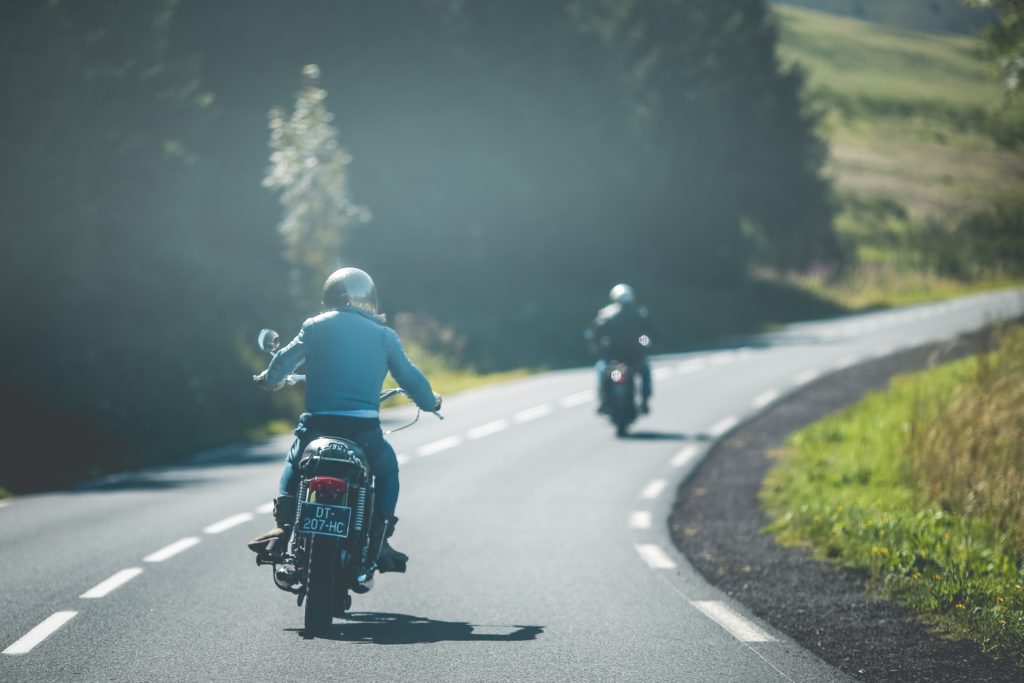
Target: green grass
862	487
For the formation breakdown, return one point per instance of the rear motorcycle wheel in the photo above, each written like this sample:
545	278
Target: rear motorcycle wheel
323	556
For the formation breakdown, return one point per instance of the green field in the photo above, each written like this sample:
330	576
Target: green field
911	116
919	137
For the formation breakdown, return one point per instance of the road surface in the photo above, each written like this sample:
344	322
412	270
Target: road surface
539	541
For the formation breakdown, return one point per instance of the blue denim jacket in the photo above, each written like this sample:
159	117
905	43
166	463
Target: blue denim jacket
348	353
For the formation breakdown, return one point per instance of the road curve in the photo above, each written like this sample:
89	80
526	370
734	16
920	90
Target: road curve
539	542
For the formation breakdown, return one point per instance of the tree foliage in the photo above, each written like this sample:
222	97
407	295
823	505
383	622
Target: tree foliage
1004	41
308	168
518	157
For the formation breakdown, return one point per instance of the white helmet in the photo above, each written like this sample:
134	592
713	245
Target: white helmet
622	294
350	287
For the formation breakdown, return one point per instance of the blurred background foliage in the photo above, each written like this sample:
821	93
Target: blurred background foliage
516	158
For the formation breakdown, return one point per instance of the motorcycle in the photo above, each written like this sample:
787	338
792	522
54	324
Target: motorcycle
619	389
331	543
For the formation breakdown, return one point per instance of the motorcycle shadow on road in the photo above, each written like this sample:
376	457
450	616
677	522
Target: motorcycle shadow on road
383	628
665	436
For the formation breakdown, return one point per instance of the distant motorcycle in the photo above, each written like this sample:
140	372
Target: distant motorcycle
330	543
619	390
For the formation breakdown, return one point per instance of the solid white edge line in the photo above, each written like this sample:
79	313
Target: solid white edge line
654	556
265	509
228	522
4	503
579	398
439	445
731	621
653	489
765	398
44	630
723	425
722	358
640	519
533	413
171	550
487	429
684	456
104	588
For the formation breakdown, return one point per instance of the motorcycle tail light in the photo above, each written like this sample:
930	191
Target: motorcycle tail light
327	489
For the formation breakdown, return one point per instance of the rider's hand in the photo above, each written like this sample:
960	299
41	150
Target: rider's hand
261	379
437	404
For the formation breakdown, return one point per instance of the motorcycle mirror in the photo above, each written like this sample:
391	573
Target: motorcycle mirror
269	341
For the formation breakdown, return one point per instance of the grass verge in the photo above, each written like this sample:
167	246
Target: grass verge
919	485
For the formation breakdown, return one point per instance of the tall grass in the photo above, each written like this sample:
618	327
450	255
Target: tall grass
969	458
920	486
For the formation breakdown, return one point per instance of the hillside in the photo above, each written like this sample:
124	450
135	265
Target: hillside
937	16
912	116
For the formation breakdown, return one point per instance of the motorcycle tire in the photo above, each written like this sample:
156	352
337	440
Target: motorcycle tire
323	555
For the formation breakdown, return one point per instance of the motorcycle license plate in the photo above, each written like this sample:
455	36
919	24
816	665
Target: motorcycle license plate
327	520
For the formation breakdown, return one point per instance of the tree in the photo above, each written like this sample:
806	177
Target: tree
1004	41
309	168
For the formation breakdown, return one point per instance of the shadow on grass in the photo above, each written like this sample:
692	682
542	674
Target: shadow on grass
383	628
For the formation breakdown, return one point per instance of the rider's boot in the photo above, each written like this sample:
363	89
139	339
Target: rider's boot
383	557
645	407
270	547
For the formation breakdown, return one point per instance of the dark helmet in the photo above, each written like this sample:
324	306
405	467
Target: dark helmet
350	287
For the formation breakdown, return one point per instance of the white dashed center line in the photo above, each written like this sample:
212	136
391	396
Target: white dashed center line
689	366
641	519
846	361
723	425
402	459
39	633
576	399
227	523
487	429
684	456
662	373
805	377
765	398
652	490
265	509
732	622
114	582
655	557
438	446
532	413
171	550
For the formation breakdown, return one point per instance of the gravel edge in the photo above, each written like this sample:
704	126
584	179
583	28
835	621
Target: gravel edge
716	522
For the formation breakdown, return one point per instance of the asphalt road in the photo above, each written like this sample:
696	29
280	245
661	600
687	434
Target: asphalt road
538	540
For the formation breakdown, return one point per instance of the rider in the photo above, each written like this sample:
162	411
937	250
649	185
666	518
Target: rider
621	331
348	351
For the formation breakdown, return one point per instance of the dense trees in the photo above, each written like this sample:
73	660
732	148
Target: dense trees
517	158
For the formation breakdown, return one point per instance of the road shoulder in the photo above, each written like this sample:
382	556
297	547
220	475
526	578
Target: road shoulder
716	522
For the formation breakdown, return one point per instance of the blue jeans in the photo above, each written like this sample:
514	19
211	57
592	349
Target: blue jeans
368	435
641	367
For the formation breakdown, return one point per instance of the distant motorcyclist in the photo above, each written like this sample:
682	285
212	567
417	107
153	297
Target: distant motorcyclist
348	352
622	332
